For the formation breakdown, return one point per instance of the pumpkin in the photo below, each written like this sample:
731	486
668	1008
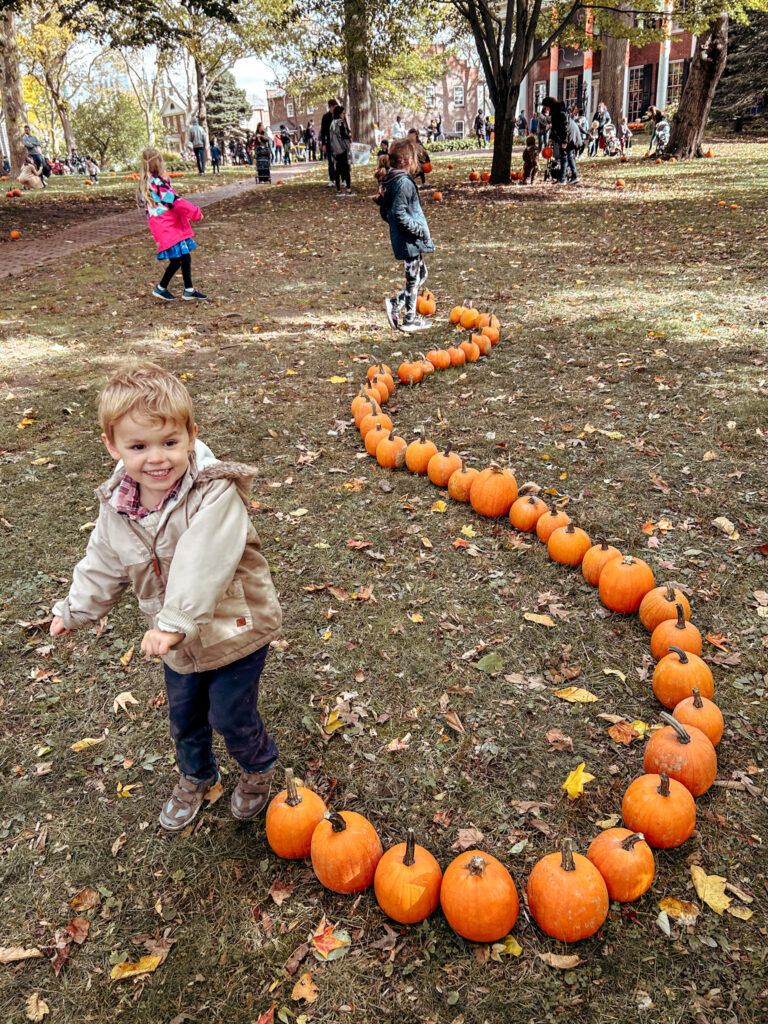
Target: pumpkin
425	304
526	512
407	882
345	851
388	379
659	605
87	181
373	437
549	522
673	160
427	167
709	154
620	183
474	176
437	196
483	342
658	160
703	714
488	320
485	176
568	545
661	808
426	367
625	861
381	388
410	372
442	466
455	315
595	559
439	358
624	582
492	333
363	409
292	817
373	394
669	634
470	350
378	368
623	160
478	897
493	491
457	356
460	483
390	453
547	152
357	401
684	754
14	235
418	453
676	675
567	896
16	193
468	318
374	417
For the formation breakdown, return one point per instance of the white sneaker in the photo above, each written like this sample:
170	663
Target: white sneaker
340	193
419	323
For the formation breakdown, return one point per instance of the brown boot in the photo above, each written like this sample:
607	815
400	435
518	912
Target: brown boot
251	793
185	801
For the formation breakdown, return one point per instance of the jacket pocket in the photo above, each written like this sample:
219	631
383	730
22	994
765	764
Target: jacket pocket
231	617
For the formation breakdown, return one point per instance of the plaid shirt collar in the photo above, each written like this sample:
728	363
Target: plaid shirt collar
128	502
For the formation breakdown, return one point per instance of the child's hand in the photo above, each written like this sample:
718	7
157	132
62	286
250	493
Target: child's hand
158	642
57	626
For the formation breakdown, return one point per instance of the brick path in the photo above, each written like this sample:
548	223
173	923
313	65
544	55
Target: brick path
28	255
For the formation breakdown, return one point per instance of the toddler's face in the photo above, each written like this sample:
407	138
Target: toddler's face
155	453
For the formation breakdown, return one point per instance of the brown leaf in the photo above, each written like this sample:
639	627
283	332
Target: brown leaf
118	844
159	946
563	963
216	792
86	899
78	929
36	1008
623	732
280	891
305	988
146	965
468	838
443	818
291	965
60	951
559	741
453	721
388	942
10	954
268	1017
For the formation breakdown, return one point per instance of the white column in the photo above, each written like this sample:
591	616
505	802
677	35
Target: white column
553	66
587	80
662	79
625	101
522	99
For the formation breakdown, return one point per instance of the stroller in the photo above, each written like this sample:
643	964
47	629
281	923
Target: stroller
611	140
662	136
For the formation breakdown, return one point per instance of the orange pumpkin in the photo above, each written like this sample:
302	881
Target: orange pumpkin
478	897
378	368
470	350
437	196
661	808
374	437
407	882
292	817
568	545
386	378
457	356
375	416
492	333
362	409
427	167
390	453
526	512
488	320
624	582
455	315
703	714
567	896
380	388
483	342
425	304
549	522
418	453
410	372
670	633
442	466
468	318
485	176
474	176
659	605
547	152
625	861
683	754
493	491
426	367
460	483
620	183
15	234
596	558
439	358
345	851
676	675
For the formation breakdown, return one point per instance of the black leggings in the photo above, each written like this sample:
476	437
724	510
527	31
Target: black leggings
341	167
185	262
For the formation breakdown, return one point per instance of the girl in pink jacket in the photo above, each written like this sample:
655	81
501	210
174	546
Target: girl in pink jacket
168	218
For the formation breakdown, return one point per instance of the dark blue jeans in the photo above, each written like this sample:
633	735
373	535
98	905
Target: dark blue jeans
225	699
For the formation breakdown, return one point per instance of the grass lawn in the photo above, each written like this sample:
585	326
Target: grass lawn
630	384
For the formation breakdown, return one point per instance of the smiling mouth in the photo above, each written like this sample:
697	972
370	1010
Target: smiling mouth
158	473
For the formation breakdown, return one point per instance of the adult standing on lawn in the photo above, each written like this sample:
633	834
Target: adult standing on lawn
558	134
32	145
341	145
399	131
479	129
310	140
196	139
325	139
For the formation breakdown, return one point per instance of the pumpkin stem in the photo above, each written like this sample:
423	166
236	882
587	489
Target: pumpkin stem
570	528
681	655
628	560
629	842
337	822
683	735
292	795
567	862
476	865
410	848
680	624
697	701
532	499
670	595
663	787
447	449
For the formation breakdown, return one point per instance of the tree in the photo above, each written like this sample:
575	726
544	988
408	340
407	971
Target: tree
11	92
228	106
744	82
687	129
110	123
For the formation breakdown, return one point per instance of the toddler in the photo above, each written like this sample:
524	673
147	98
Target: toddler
399	205
530	160
168	217
173	524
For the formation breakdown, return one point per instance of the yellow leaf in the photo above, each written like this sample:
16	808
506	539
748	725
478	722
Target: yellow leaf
290	373
297	513
680	910
509	946
609	822
333	722
415	617
127	790
123	699
578	778
576	695
541	620
305	989
640	727
615	672
613	434
743	913
426	542
327	634
564	476
40	462
337	380
90	741
467	531
146	965
26	422
126	658
439	506
710	889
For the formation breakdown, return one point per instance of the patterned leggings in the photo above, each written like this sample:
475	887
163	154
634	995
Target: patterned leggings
416	274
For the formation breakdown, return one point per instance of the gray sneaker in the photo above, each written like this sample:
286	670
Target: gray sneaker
185	801
251	794
390	308
419	323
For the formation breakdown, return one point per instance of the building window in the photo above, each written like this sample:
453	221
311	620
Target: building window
429	95
289	109
754	105
458	127
539	92
458	95
635	104
571	91
675	81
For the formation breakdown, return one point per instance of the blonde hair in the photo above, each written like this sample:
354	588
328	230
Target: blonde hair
152	165
145	390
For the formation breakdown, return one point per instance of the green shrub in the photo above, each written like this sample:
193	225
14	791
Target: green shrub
452	145
174	161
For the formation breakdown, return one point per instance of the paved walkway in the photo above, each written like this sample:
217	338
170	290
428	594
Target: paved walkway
21	256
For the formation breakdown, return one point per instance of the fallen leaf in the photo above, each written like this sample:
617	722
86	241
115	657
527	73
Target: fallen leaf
640	727
146	965
337	380
623	732
90	741
439	506
726	526
743	913
86	899
415	616
615	672
10	954
562	962
490	664
574	694
680	910
35	1007
453	721
541	620
610	821
468	531
122	700
291	965
125	659
330	942
60	950
577	779
78	929
305	989
559	741
268	1017
119	843
298	512
467	839
280	891
216	792
710	889
397	744
508	946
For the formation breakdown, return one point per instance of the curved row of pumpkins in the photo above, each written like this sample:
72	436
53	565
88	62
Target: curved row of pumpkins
568	894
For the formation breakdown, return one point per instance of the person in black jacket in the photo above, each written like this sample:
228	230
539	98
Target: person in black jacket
558	131
325	139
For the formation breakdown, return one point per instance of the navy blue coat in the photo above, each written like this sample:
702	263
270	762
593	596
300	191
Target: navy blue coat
401	209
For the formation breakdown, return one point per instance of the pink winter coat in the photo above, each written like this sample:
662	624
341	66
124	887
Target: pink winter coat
169	222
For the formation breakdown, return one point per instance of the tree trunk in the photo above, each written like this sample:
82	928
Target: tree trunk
707	66
11	90
361	113
504	137
613	69
63	112
202	93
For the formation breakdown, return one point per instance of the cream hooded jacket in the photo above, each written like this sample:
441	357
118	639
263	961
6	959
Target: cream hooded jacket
202	574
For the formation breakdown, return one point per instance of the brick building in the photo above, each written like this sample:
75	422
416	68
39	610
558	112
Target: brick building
174	118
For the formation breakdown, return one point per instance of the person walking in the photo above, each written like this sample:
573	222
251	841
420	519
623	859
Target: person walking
263	154
542	132
215	158
479	129
310	141
196	139
325	139
285	138
340	140
399	131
